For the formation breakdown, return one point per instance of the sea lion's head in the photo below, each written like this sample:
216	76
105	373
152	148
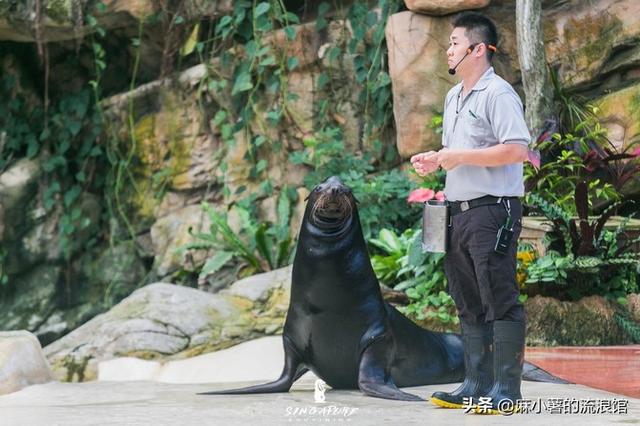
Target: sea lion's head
331	206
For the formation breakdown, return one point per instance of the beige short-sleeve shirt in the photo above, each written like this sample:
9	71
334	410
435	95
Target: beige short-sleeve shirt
491	113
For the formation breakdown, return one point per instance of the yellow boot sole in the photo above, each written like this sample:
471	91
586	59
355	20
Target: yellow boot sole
445	404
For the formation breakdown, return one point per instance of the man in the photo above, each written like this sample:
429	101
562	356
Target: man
484	142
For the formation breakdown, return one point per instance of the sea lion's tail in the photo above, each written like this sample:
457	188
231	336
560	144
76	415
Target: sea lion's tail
533	373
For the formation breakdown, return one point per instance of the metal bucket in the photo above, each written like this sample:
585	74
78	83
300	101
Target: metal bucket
435	226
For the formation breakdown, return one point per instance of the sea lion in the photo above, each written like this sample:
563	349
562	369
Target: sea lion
338	325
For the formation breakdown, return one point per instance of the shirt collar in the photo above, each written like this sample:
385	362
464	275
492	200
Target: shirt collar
485	79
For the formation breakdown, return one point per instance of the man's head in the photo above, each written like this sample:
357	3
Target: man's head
475	30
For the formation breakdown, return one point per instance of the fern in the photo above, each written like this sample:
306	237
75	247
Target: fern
628	325
551	211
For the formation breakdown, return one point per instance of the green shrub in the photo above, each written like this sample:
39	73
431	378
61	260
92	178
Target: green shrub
584	258
403	266
259	247
570	158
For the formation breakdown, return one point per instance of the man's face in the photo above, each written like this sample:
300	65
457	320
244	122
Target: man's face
458	45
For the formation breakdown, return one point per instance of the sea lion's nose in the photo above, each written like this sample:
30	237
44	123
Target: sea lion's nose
334	181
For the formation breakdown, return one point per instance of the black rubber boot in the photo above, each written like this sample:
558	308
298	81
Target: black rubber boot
478	368
508	359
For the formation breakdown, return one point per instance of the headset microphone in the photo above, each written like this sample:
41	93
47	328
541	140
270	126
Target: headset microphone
452	71
491	47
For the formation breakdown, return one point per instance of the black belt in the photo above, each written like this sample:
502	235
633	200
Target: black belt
456	207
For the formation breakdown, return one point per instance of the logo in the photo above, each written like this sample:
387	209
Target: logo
320	388
325	413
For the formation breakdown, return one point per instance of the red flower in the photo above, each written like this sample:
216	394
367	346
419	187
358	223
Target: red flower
421	195
440	196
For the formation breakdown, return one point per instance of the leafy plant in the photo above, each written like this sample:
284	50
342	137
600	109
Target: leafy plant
405	267
325	153
585	258
525	255
572	109
383	201
259	247
381	196
568	159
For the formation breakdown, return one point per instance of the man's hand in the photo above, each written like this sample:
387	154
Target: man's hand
493	156
448	158
425	162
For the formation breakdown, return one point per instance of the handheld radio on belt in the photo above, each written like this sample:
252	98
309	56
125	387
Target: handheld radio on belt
505	233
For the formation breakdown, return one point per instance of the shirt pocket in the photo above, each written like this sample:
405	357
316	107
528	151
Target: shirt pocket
479	133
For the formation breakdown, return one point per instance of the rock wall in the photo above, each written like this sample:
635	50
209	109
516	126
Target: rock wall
592	45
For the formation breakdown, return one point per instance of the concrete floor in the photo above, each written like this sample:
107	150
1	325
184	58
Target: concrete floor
154	403
136	392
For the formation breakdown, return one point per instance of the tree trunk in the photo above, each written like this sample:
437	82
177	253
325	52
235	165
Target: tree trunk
533	65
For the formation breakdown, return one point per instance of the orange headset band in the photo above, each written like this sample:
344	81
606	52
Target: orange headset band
489	46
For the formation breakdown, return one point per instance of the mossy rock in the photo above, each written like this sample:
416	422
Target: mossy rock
587	322
165	322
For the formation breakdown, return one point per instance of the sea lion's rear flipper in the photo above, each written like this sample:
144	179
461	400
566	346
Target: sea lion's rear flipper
374	374
291	372
533	373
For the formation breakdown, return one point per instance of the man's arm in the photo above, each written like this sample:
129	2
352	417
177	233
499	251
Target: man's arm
497	155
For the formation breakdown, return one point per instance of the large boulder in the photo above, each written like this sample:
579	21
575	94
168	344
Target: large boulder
238	363
420	81
444	7
166	321
418	69
22	362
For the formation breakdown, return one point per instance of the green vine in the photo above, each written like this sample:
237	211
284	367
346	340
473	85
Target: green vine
250	56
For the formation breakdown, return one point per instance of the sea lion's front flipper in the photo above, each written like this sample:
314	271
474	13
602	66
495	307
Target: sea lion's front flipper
374	377
291	372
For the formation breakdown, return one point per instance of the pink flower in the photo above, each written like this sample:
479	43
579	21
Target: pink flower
636	152
534	159
421	195
440	196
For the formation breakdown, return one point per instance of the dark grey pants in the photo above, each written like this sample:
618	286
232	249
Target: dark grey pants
482	282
